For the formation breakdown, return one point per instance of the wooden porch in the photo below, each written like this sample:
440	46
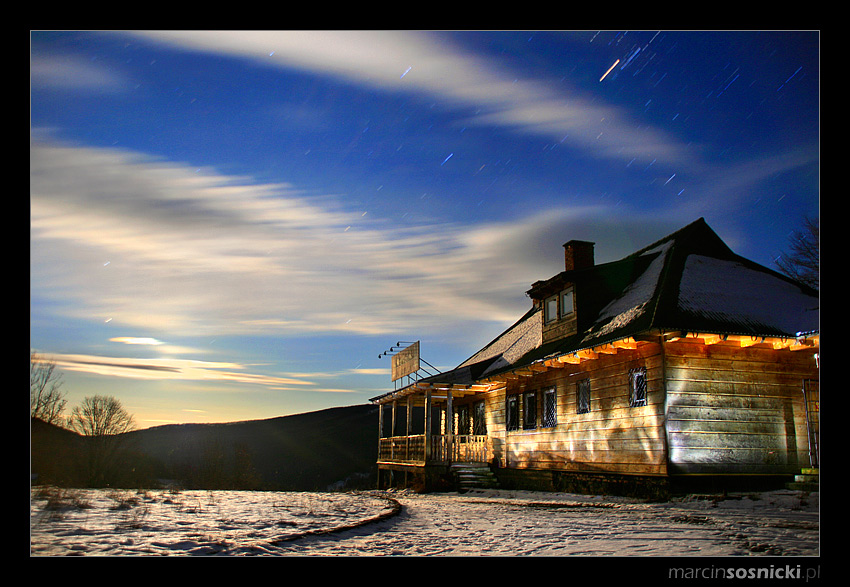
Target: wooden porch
439	435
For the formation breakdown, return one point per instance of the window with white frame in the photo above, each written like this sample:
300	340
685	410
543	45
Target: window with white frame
559	306
567	303
550	309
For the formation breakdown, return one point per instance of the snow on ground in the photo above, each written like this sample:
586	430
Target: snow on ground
401	523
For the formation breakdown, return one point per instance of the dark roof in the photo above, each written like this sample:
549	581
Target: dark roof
688	281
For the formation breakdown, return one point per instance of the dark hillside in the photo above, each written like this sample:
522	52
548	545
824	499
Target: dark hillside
336	447
54	453
299	452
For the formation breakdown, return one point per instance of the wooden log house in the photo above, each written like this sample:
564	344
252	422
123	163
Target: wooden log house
680	363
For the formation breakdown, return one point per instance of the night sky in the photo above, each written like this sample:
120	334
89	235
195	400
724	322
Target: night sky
234	225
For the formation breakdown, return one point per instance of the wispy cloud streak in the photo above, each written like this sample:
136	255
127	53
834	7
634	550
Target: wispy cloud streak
412	61
205	371
153	245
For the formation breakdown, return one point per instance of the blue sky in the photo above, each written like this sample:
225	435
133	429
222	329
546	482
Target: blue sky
233	225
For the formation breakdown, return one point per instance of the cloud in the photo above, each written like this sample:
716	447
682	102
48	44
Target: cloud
136	340
426	63
73	73
370	371
193	252
206	371
172	369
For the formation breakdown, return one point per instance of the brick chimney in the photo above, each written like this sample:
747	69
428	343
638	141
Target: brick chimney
578	255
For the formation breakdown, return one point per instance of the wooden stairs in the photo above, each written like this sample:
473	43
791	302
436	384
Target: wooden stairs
469	475
807	480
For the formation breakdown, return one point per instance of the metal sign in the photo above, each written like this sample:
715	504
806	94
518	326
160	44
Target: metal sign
406	361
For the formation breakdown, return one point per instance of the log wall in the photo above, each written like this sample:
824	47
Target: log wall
612	437
735	410
711	409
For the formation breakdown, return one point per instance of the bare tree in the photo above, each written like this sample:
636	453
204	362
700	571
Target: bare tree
47	400
803	261
100	416
103	420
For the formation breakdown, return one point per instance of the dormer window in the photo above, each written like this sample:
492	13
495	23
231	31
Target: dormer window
567	306
559	306
556	297
550	307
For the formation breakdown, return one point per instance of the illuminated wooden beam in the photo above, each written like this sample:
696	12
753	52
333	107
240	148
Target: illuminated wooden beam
748	341
713	338
462	390
779	343
625	343
801	344
606	349
776	342
709	338
496	380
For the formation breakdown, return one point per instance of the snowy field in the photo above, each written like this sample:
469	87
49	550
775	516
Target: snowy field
401	523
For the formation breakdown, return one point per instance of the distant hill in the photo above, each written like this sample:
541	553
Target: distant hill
336	447
54	453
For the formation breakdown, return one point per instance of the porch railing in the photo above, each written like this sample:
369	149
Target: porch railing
411	449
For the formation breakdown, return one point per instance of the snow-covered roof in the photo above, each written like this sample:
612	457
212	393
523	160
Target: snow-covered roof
688	281
753	301
516	342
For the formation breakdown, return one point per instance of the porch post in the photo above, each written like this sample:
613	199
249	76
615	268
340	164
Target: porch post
392	431
427	423
450	426
408	424
380	437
